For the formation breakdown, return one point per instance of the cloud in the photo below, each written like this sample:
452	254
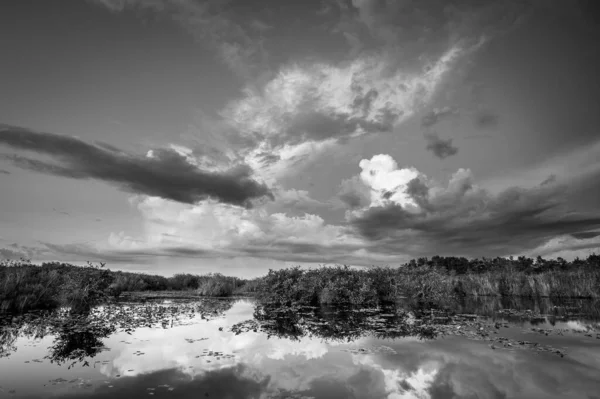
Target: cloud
568	246
353	193
386	182
421	217
434	116
441	148
210	230
414	27
164	173
321	105
585	235
298	201
4	172
16	252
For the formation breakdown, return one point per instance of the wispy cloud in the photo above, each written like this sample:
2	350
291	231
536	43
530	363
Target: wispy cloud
436	115
212	22
308	108
414	28
61	212
164	173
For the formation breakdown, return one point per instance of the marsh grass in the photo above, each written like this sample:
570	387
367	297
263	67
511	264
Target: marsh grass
218	285
435	283
550	284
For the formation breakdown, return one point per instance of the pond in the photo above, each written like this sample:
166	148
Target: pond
236	349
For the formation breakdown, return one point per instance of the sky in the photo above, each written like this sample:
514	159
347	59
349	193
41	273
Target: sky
170	136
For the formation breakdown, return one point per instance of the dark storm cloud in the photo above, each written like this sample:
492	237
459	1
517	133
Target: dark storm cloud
466	220
441	148
167	174
86	252
585	235
353	193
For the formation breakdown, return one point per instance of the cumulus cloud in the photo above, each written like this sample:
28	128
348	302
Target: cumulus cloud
387	183
164	173
421	217
439	147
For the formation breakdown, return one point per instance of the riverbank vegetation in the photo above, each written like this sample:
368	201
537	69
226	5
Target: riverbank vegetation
428	282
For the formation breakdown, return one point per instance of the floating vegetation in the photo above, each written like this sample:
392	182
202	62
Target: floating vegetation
78	337
349	324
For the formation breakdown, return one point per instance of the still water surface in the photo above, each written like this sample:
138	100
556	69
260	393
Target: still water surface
188	350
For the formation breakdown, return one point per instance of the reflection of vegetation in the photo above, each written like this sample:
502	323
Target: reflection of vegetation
336	323
78	336
555	309
77	340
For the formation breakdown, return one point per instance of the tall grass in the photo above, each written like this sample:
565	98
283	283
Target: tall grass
552	284
218	285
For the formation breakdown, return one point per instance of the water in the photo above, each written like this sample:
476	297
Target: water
188	349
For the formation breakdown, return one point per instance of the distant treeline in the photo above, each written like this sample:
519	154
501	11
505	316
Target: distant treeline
461	265
26	286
